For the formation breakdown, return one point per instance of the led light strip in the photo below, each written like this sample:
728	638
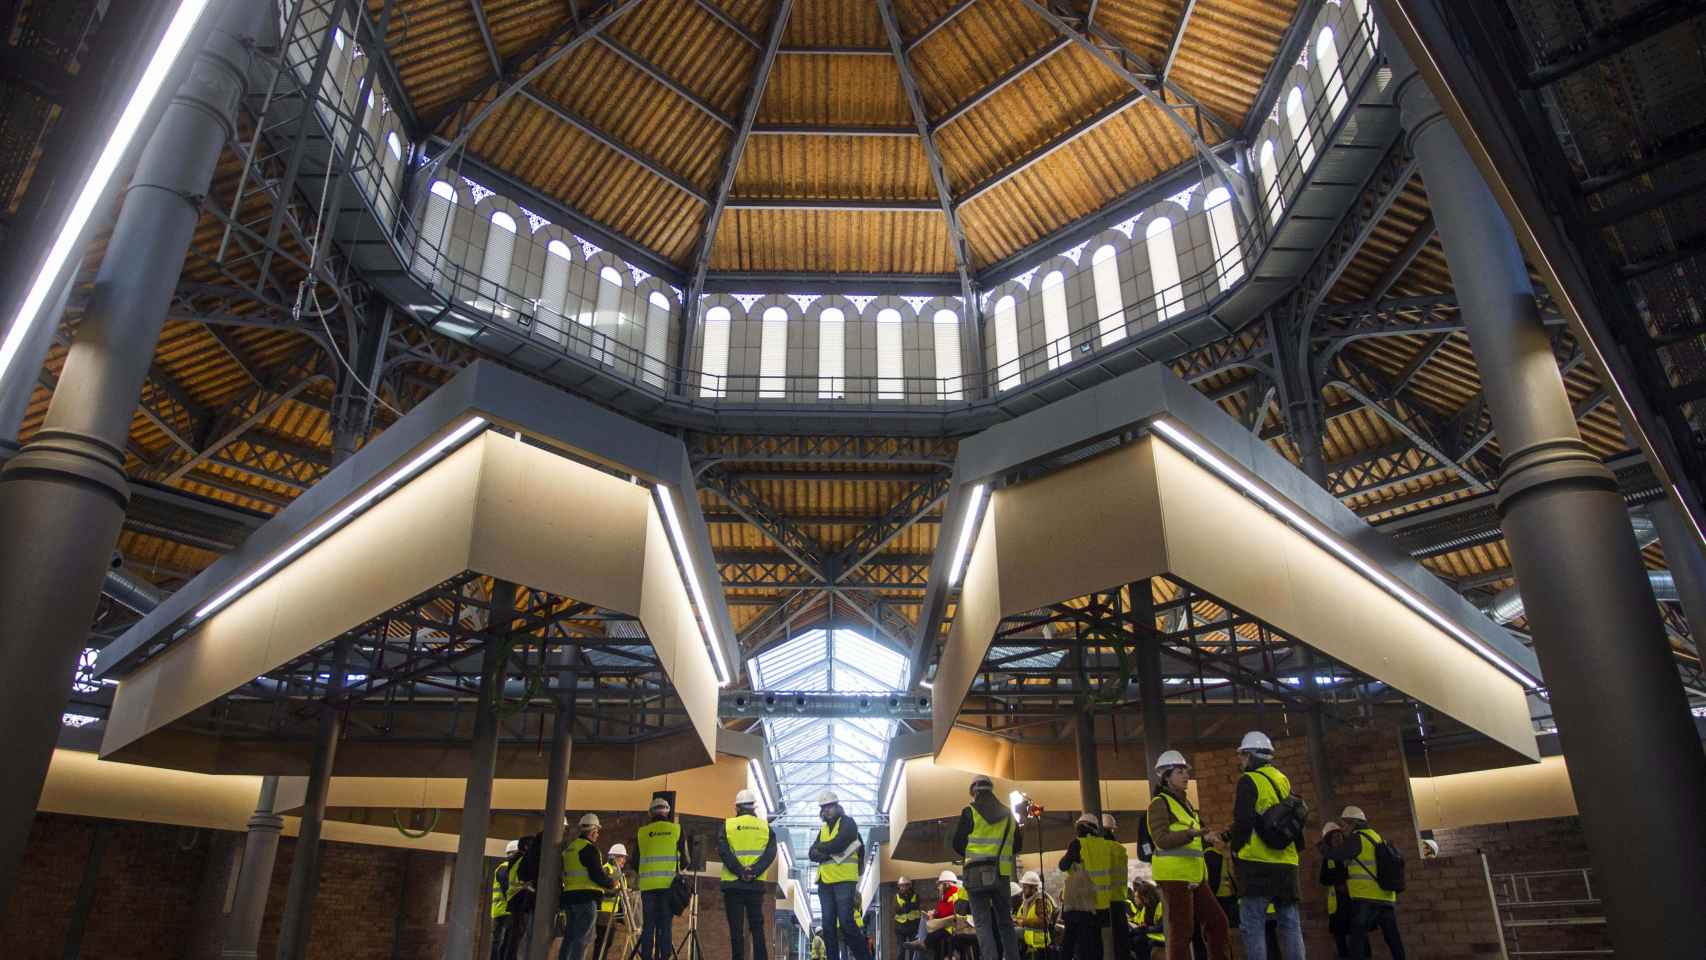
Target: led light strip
1322	538
680	540
895	770
968	527
757	771
395	479
154	75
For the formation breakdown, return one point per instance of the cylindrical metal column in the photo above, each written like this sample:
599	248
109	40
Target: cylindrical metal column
1608	668
1089	768
885	921
17	388
1686	561
1315	738
1150	692
468	891
62	497
298	922
551	836
254	877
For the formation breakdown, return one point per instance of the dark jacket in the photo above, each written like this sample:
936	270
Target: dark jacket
1215	862
905	902
732	863
993	810
1276	880
1073	855
846	835
593	861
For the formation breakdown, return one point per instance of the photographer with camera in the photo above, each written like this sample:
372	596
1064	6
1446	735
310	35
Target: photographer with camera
988	838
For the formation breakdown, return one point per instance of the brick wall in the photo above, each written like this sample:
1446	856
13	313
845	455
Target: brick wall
1528	847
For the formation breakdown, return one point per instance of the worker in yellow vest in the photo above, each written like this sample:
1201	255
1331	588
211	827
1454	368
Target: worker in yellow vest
1120	905
1267	872
987	837
1371	904
1180	867
611	910
819	949
906	914
839	853
584	884
1035	917
502	935
1088	853
662	851
747	848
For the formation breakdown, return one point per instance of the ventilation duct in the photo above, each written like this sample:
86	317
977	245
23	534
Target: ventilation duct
1507	605
129	590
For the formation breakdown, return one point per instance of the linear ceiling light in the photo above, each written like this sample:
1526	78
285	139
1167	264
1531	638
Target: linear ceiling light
680	540
968	527
1331	542
330	524
65	245
896	768
762	787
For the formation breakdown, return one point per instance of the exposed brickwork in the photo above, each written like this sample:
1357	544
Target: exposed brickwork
1536	846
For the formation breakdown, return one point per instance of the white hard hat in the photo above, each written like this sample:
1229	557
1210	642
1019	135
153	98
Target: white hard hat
1431	846
514	846
1012	889
1089	818
1328	827
659	803
746	798
1030	879
1256	742
1109	822
827	797
1171	758
981	782
589	821
618	850
947	876
1353	812
905	880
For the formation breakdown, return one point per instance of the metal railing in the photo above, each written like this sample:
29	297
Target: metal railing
1543	905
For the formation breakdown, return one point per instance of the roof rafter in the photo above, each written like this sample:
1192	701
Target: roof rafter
632	154
1178	35
485	26
674	86
999	83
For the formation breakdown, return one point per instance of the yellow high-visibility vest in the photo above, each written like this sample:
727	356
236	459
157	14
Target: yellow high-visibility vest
1272	786
1098	857
748	836
500	888
844	872
612	901
1183	862
906	909
659	859
1036	937
991	840
1158	936
575	875
1362	884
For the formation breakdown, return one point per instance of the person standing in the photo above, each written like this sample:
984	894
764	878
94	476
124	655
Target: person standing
503	936
662	852
1267	875
1371	905
1035	917
584	884
1180	867
1333	877
906	914
1085	901
611	910
986	836
838	854
746	848
1121	907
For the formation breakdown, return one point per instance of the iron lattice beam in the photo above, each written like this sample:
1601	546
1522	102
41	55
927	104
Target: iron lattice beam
485	25
796	543
707	450
1401	263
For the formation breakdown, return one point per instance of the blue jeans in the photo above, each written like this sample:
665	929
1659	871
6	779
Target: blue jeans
657	921
578	934
838	905
1252	923
992	913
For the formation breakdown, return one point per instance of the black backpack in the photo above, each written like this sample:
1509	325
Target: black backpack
1388	865
1281	825
1145	840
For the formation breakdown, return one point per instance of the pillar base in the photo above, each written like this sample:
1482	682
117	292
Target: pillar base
67	456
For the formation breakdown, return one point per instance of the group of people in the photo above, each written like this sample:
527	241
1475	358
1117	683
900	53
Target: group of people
1206	881
595	897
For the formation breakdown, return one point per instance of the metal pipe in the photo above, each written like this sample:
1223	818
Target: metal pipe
551	835
129	590
65	492
1687	565
1507	604
468	879
254	877
298	922
17	390
1608	667
1089	773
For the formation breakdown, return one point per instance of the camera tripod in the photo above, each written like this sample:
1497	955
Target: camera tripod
688	948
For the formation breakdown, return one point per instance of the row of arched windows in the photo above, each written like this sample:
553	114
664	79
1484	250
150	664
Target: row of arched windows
831	380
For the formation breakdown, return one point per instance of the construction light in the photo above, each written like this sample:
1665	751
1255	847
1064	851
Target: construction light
968	527
677	537
65	246
1332	544
327	526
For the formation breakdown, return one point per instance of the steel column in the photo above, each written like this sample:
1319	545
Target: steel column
298	923
64	494
1089	770
17	390
556	800
468	881
1687	564
1150	691
1315	738
1608	668
254	877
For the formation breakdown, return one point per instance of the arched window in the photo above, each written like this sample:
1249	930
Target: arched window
1270	182
891	358
1223	233
1367	32
1055	328
773	355
946	327
1164	267
395	144
657	338
494	267
1297	123
1006	343
714	362
1110	306
607	315
831	354
551	322
1327	68
435	227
